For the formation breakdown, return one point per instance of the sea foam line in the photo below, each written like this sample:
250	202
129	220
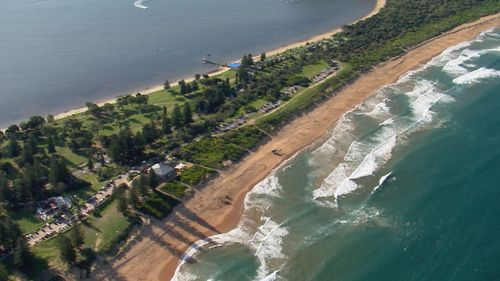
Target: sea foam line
424	97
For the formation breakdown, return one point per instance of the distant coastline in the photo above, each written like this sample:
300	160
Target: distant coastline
155	88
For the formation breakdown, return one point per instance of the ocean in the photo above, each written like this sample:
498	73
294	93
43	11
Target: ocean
56	55
405	188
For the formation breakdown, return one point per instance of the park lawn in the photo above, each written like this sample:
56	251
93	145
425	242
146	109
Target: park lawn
48	250
27	220
137	122
69	155
258	103
309	71
104	227
162	98
93	179
227	74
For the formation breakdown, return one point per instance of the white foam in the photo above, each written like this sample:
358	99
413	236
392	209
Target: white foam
139	4
265	237
381	182
271	277
476	76
387	122
377	157
261	195
367	155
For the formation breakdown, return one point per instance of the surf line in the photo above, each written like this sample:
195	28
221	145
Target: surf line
139	4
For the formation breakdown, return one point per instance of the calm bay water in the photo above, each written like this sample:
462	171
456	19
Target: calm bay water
406	188
55	55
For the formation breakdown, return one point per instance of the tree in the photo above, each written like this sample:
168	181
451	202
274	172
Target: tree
176	116
12	130
166	85
76	236
27	154
142	184
262	57
21	253
50	118
58	172
119	195
165	125
187	114
90	163
183	87
73	124
13	148
133	196
93	109
152	179
50	145
68	253
149	132
5	192
197	76
3	273
247	60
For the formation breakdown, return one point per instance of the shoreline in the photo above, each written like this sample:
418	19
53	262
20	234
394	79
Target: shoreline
156	255
275	51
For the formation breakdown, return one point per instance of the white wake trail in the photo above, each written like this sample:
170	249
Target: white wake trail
140	4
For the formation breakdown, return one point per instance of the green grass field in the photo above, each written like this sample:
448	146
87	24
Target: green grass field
26	220
101	229
73	158
312	70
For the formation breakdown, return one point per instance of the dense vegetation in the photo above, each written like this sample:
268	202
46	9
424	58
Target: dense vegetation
43	157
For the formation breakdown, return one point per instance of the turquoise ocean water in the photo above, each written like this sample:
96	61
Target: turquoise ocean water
407	187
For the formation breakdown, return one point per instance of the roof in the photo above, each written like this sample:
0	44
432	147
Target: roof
161	170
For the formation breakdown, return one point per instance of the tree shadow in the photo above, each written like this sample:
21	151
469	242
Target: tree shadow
188	214
91	226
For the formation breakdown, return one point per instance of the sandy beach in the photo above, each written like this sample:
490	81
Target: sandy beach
155	88
156	253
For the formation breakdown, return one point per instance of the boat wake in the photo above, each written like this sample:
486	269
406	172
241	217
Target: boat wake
140	4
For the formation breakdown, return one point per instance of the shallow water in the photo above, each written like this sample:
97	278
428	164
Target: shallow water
56	55
406	188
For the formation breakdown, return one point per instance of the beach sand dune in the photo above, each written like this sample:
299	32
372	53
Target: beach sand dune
155	254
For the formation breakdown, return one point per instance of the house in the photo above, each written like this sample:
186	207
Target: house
162	170
53	206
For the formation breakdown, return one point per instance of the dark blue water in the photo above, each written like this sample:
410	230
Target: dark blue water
58	54
406	188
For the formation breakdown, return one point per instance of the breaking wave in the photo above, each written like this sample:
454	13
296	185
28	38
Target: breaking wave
264	236
363	155
368	153
476	76
381	182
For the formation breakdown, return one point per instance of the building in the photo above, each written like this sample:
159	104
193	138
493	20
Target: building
53	206
162	170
